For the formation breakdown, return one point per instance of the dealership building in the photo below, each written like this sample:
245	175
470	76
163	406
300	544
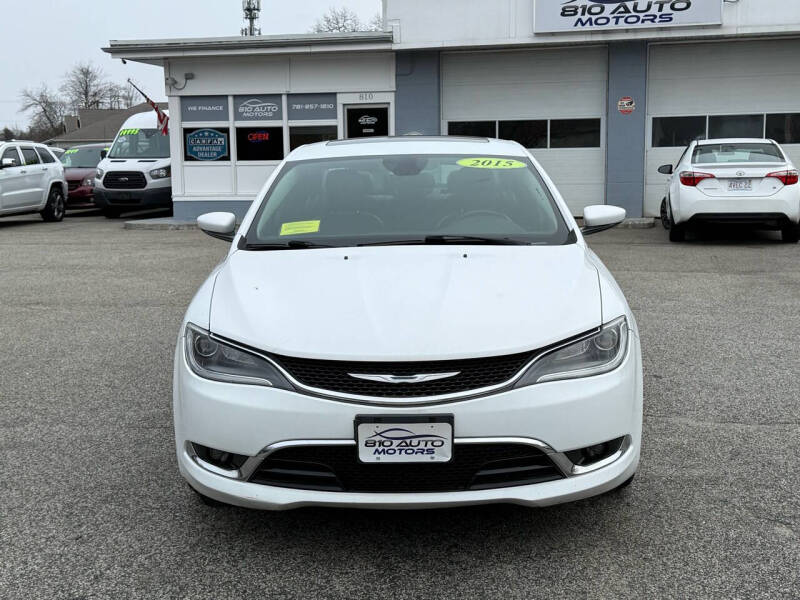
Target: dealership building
602	92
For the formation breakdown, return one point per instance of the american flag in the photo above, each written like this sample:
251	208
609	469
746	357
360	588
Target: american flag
163	118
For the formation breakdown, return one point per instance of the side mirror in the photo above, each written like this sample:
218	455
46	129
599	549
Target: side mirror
8	162
103	154
600	217
665	169
220	225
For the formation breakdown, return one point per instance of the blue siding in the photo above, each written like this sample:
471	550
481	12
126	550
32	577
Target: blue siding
627	76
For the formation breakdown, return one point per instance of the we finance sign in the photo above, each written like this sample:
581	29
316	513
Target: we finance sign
551	16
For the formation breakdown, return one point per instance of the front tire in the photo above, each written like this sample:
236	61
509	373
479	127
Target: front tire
55	208
677	233
790	234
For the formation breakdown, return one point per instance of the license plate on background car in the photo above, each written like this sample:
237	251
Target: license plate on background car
404	439
740	185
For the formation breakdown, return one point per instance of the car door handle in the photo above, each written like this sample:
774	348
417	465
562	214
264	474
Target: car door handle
23	171
44	169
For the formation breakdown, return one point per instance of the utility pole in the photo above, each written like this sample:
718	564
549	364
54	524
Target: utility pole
251	9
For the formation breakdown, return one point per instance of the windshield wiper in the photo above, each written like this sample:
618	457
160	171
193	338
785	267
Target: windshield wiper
287	245
474	239
451	239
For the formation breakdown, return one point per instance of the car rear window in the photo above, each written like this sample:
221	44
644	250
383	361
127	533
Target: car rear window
736	153
45	155
350	200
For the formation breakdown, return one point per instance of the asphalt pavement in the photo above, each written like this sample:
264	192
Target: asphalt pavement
92	506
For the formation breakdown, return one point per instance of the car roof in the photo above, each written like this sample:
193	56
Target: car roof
99	145
412	144
734	141
143	120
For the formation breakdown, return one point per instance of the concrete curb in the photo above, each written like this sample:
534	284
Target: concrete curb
163	224
637	223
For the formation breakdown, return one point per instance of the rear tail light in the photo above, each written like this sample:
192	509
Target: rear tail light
788	177
692	178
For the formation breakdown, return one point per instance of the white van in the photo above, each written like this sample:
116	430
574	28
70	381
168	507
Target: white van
136	171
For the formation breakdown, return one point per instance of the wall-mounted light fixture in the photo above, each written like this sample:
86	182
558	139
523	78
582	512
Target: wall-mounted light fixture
173	83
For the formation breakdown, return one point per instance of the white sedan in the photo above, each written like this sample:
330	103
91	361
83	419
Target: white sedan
746	181
408	323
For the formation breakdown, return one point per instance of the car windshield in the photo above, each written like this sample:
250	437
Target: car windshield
82	158
408	199
140	143
736	153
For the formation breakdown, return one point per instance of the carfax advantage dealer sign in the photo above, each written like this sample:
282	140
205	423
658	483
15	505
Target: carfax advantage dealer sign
552	16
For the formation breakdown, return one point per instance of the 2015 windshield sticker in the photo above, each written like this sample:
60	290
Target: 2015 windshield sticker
491	163
128	132
71	151
298	227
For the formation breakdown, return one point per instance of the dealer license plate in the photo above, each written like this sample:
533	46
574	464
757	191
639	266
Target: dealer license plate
740	185
404	439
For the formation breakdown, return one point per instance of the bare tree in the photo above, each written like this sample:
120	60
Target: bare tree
376	23
121	96
85	86
340	20
45	108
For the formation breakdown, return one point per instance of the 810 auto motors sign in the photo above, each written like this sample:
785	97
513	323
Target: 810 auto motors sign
579	15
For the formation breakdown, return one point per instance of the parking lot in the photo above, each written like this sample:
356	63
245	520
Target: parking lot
92	505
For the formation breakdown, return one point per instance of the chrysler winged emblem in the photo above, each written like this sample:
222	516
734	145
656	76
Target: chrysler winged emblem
405	378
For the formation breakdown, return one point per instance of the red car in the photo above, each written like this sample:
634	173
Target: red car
80	164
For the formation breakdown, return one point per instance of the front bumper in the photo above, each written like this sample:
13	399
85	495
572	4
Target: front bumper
81	194
142	198
560	415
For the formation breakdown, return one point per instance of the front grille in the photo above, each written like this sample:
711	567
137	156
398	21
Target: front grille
73	185
474	373
124	180
473	467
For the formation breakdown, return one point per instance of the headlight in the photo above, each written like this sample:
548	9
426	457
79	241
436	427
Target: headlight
213	359
99	174
592	355
160	173
88	181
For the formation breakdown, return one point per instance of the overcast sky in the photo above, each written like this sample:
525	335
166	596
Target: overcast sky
49	36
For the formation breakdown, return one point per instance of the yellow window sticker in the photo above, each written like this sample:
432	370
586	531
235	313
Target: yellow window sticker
71	151
298	227
128	132
491	163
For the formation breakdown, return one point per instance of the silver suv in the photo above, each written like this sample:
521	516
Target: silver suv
31	180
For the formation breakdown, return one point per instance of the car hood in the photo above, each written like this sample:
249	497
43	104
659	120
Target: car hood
406	302
78	173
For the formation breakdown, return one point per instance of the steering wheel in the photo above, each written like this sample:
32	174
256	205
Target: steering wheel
364	213
473	213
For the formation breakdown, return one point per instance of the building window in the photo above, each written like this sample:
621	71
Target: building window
575	133
677	131
205	144
784	128
298	136
736	126
473	128
259	143
531	134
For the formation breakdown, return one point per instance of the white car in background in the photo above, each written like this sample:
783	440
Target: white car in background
743	180
408	323
31	180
